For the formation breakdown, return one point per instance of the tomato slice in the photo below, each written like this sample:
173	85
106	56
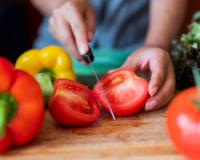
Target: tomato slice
73	104
125	91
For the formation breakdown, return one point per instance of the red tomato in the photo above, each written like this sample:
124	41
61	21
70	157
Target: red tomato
183	122
125	91
73	104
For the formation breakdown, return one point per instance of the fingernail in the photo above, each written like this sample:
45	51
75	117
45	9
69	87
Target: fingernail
83	48
151	105
153	91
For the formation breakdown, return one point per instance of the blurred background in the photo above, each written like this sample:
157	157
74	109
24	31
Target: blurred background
19	22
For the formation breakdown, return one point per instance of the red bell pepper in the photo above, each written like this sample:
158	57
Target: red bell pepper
21	107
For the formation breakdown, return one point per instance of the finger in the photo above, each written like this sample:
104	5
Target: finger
53	29
131	63
70	44
51	26
112	70
164	94
64	34
90	22
78	27
158	74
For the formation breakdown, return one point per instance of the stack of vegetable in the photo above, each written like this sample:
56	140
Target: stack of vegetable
186	54
46	77
22	97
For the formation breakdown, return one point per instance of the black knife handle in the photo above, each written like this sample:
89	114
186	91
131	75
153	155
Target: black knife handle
90	55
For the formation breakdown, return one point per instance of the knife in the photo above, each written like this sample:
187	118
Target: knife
89	58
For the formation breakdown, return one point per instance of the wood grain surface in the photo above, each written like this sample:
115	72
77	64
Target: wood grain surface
142	136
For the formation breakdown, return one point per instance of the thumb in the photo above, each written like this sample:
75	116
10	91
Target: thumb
130	63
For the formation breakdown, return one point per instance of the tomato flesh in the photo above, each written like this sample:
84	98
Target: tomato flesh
125	91
183	123
73	104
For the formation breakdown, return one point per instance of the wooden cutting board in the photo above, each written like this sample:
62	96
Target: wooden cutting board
142	136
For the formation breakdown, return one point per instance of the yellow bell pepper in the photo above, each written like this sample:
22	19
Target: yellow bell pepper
46	65
52	59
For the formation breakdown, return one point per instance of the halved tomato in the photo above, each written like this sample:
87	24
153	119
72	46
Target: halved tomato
124	90
73	104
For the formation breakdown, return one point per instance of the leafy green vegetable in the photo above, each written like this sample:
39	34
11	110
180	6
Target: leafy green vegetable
196	17
186	54
192	39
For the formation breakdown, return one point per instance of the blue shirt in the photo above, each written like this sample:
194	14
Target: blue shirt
121	24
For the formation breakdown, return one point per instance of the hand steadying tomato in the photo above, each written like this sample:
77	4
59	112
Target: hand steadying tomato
125	91
73	104
183	122
21	107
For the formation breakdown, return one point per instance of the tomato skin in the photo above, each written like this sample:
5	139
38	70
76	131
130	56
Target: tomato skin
125	91
29	116
61	108
183	123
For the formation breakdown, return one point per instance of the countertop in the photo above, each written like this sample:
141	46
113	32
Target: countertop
142	136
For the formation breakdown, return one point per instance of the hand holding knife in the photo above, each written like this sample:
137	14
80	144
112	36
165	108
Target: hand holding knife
75	31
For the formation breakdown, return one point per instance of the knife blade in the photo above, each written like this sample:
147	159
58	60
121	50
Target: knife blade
89	58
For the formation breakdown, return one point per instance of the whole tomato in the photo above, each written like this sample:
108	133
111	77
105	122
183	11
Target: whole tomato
183	122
